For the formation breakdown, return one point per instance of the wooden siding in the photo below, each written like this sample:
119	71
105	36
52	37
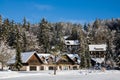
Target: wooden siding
65	60
34	60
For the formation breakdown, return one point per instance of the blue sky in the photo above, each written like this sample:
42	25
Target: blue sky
76	11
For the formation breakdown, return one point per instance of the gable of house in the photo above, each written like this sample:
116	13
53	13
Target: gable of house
27	58
50	60
74	57
64	59
34	60
46	58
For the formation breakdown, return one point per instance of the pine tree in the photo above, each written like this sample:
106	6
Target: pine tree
18	62
25	24
6	23
44	35
74	34
1	28
28	26
24	42
96	23
58	35
5	29
84	51
0	20
85	27
117	48
11	35
83	63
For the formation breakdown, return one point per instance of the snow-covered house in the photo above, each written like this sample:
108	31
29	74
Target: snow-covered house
69	62
62	62
33	61
97	53
65	62
30	61
48	61
71	44
0	66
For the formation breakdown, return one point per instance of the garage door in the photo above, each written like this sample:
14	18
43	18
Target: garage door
33	68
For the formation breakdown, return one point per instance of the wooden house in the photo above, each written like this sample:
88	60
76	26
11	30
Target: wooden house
97	53
30	62
33	61
68	62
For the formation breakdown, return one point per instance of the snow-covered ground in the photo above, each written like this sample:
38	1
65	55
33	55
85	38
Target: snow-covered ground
63	75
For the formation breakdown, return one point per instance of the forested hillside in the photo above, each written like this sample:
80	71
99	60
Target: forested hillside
43	35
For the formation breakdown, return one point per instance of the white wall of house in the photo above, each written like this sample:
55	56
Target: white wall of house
101	47
28	68
59	67
38	68
72	42
0	65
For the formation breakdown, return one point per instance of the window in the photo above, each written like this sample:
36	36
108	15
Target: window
42	68
51	68
33	68
74	67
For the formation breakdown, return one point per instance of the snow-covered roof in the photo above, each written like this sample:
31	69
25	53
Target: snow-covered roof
98	60
43	55
72	42
46	56
25	56
58	58
65	37
100	47
72	56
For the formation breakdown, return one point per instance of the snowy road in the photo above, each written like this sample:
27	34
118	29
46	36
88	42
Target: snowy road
64	75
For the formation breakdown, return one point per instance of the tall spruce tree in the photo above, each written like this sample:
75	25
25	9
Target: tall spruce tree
0	20
24	42
83	63
11	35
5	29
85	27
117	48
25	24
28	26
1	28
18	62
44	35
58	35
84	51
74	34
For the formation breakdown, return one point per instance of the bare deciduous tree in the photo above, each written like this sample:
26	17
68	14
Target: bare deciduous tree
5	53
